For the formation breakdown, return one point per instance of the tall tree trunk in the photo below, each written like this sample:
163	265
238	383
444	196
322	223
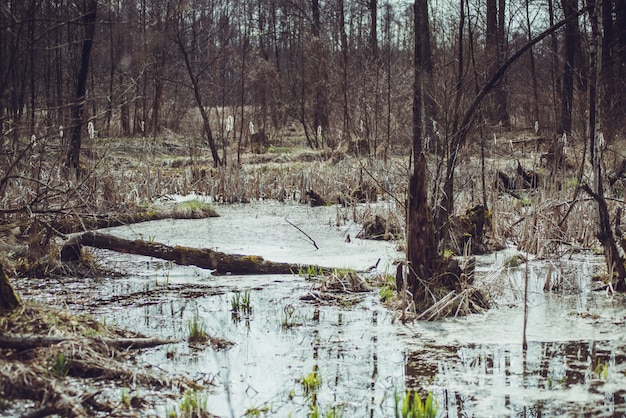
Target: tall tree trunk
344	62
620	53
112	64
502	96
242	92
554	71
421	244
159	66
608	93
320	105
388	66
567	94
614	261
458	87
33	57
429	110
372	5
90	10
195	85
533	70
496	47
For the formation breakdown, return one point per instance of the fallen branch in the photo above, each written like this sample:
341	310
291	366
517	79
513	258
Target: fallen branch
304	233
27	342
220	262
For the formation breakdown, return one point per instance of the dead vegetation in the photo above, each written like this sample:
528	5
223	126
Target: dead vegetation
63	363
344	287
539	211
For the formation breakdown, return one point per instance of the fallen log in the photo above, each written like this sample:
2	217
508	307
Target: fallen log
220	262
27	342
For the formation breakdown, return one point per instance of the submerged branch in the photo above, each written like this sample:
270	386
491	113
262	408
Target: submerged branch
27	342
304	233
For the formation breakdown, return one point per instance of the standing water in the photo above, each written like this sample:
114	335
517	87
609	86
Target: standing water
289	355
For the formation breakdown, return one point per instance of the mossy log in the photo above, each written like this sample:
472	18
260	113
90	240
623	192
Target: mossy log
74	224
220	262
9	300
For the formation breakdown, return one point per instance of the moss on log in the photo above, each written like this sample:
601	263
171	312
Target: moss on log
182	210
220	262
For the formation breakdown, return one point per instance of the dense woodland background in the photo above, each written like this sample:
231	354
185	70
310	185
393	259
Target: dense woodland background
337	69
387	78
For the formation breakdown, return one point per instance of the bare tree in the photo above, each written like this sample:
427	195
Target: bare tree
421	245
496	49
90	10
320	71
570	8
193	30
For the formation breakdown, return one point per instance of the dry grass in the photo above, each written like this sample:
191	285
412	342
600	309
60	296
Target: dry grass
86	361
122	176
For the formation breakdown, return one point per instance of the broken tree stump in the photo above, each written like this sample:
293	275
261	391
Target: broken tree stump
220	262
9	300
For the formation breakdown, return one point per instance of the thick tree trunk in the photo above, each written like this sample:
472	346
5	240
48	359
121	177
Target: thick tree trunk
421	245
201	257
429	111
8	298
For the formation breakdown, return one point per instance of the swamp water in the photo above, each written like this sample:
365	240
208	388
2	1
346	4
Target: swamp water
475	366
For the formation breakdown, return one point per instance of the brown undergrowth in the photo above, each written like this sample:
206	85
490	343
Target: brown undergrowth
74	375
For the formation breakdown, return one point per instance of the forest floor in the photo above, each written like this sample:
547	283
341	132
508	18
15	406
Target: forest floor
67	376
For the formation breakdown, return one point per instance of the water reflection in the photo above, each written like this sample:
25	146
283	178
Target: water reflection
475	365
549	379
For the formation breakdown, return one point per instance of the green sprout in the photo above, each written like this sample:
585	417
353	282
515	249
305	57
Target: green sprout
412	406
61	366
197	331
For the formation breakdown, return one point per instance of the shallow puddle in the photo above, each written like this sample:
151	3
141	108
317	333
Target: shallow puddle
474	365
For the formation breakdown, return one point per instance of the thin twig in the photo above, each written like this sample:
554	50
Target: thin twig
304	233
